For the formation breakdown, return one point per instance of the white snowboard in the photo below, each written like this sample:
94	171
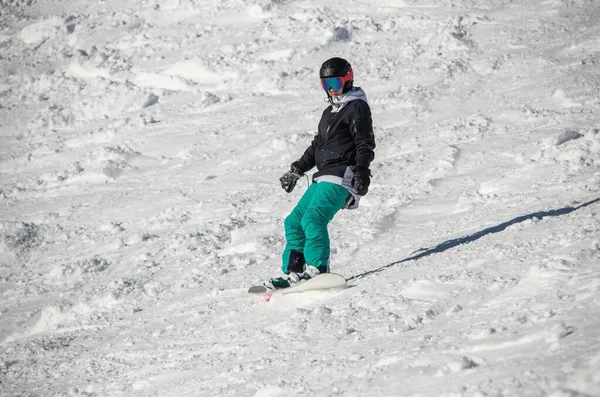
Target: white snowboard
320	282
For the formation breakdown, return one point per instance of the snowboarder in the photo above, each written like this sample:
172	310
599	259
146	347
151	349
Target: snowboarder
342	151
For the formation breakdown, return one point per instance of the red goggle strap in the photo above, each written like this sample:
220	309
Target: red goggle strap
349	76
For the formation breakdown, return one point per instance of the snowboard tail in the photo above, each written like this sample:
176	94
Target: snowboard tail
320	282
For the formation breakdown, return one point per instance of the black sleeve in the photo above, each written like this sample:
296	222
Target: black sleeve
361	128
307	161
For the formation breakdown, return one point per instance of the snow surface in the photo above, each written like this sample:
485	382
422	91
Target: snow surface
141	145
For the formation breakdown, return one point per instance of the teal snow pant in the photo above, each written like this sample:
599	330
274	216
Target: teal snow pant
306	226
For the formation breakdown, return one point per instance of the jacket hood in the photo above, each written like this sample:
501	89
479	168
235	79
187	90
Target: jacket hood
355	93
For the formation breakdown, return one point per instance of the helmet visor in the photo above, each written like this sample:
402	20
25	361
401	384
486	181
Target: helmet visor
336	83
332	83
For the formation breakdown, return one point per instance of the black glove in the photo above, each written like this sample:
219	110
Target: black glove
361	180
289	179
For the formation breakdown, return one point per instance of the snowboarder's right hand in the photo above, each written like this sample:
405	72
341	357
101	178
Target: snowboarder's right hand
289	179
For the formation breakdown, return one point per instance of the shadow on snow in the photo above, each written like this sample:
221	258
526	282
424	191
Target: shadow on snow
446	245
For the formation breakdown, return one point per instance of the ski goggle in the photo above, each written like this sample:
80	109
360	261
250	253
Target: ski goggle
336	83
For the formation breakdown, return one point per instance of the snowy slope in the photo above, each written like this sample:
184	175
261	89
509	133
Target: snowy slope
140	148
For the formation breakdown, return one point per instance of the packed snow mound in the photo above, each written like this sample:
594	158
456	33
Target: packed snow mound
578	151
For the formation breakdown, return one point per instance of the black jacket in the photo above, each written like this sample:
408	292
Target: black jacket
345	138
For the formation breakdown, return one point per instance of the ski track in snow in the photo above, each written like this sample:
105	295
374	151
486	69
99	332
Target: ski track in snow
140	147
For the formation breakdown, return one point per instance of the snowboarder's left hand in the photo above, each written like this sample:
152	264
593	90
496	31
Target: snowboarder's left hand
361	180
289	179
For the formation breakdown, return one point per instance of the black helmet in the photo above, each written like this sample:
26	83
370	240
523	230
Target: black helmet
338	67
